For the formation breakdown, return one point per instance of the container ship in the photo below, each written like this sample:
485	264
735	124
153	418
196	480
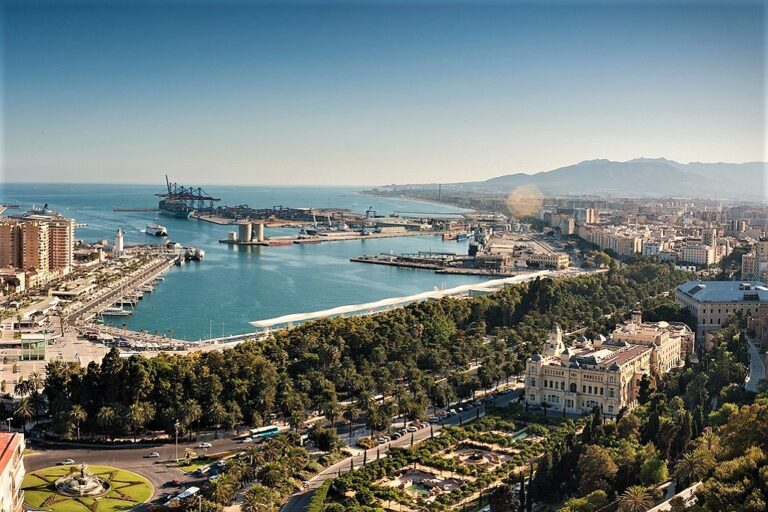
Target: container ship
173	208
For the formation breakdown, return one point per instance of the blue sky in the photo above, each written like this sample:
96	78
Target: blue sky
373	93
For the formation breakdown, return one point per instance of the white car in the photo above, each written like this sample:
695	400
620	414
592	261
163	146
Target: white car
153	455
246	440
204	445
66	462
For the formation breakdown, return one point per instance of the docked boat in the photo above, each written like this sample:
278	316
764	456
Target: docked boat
156	230
115	311
173	208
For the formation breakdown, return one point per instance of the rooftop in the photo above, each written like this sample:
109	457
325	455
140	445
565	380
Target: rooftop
725	291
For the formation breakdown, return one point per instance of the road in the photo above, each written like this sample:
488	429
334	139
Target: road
300	501
134	459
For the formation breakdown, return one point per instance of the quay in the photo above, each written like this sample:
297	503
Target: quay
129	284
437	266
119	209
339	236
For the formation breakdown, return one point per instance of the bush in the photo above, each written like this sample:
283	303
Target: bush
317	503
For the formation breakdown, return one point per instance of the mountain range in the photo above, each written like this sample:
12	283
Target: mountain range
641	177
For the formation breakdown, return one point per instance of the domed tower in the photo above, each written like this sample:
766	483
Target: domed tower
555	345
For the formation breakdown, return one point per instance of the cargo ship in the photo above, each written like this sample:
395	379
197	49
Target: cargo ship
173	208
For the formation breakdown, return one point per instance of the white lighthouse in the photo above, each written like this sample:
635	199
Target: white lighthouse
117	251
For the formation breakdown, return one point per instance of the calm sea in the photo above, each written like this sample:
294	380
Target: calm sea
235	285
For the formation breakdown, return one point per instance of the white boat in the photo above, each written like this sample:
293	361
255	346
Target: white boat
113	311
156	230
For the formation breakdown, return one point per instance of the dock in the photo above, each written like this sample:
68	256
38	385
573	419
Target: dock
338	236
119	209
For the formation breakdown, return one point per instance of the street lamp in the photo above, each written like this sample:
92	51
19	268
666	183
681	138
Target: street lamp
176	427
9	423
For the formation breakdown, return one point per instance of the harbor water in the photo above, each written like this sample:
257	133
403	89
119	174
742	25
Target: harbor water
238	284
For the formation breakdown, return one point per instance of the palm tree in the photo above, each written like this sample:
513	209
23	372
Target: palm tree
22	388
191	412
350	413
78	415
138	416
23	413
216	413
106	418
35	381
635	499
331	410
259	499
692	466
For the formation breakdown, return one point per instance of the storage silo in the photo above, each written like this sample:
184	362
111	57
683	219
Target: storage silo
245	232
259	234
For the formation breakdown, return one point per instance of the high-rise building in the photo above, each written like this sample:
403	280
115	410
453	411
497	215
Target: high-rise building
36	238
62	239
11	471
10	243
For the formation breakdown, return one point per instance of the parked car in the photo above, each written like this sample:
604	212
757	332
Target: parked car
153	455
397	435
204	445
381	441
66	462
452	412
412	429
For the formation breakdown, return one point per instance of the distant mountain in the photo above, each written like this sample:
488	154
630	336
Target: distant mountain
656	177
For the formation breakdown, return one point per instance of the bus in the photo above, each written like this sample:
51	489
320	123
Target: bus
265	432
190	491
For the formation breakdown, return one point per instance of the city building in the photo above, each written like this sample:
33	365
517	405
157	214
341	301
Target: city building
622	241
61	235
567	225
557	260
10	243
698	254
36	250
41	245
11	471
674	340
589	374
711	302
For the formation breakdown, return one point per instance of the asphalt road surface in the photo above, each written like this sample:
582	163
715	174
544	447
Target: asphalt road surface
134	459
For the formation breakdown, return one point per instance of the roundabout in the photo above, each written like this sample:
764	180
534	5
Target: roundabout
81	488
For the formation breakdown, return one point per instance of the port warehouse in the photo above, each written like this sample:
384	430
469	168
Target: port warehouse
369	308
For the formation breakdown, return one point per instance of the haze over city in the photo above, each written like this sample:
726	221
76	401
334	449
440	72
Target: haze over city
368	93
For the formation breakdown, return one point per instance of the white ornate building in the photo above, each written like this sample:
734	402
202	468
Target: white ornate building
601	373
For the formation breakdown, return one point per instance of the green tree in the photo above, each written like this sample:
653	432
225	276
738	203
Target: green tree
596	469
77	415
635	499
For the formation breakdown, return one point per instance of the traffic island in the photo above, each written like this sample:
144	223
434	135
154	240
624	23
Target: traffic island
61	489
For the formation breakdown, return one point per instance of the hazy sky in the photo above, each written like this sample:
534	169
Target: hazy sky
373	93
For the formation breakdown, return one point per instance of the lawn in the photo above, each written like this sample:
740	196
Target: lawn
128	490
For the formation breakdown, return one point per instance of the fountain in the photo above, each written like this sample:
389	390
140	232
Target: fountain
82	484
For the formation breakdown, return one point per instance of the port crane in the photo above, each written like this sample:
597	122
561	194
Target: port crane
194	197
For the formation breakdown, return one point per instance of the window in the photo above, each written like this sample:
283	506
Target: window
533	383
554	399
610	408
532	397
569	403
611	393
583	389
590	390
573	387
562	385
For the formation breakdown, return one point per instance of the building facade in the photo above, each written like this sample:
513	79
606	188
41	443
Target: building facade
11	471
711	302
589	374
